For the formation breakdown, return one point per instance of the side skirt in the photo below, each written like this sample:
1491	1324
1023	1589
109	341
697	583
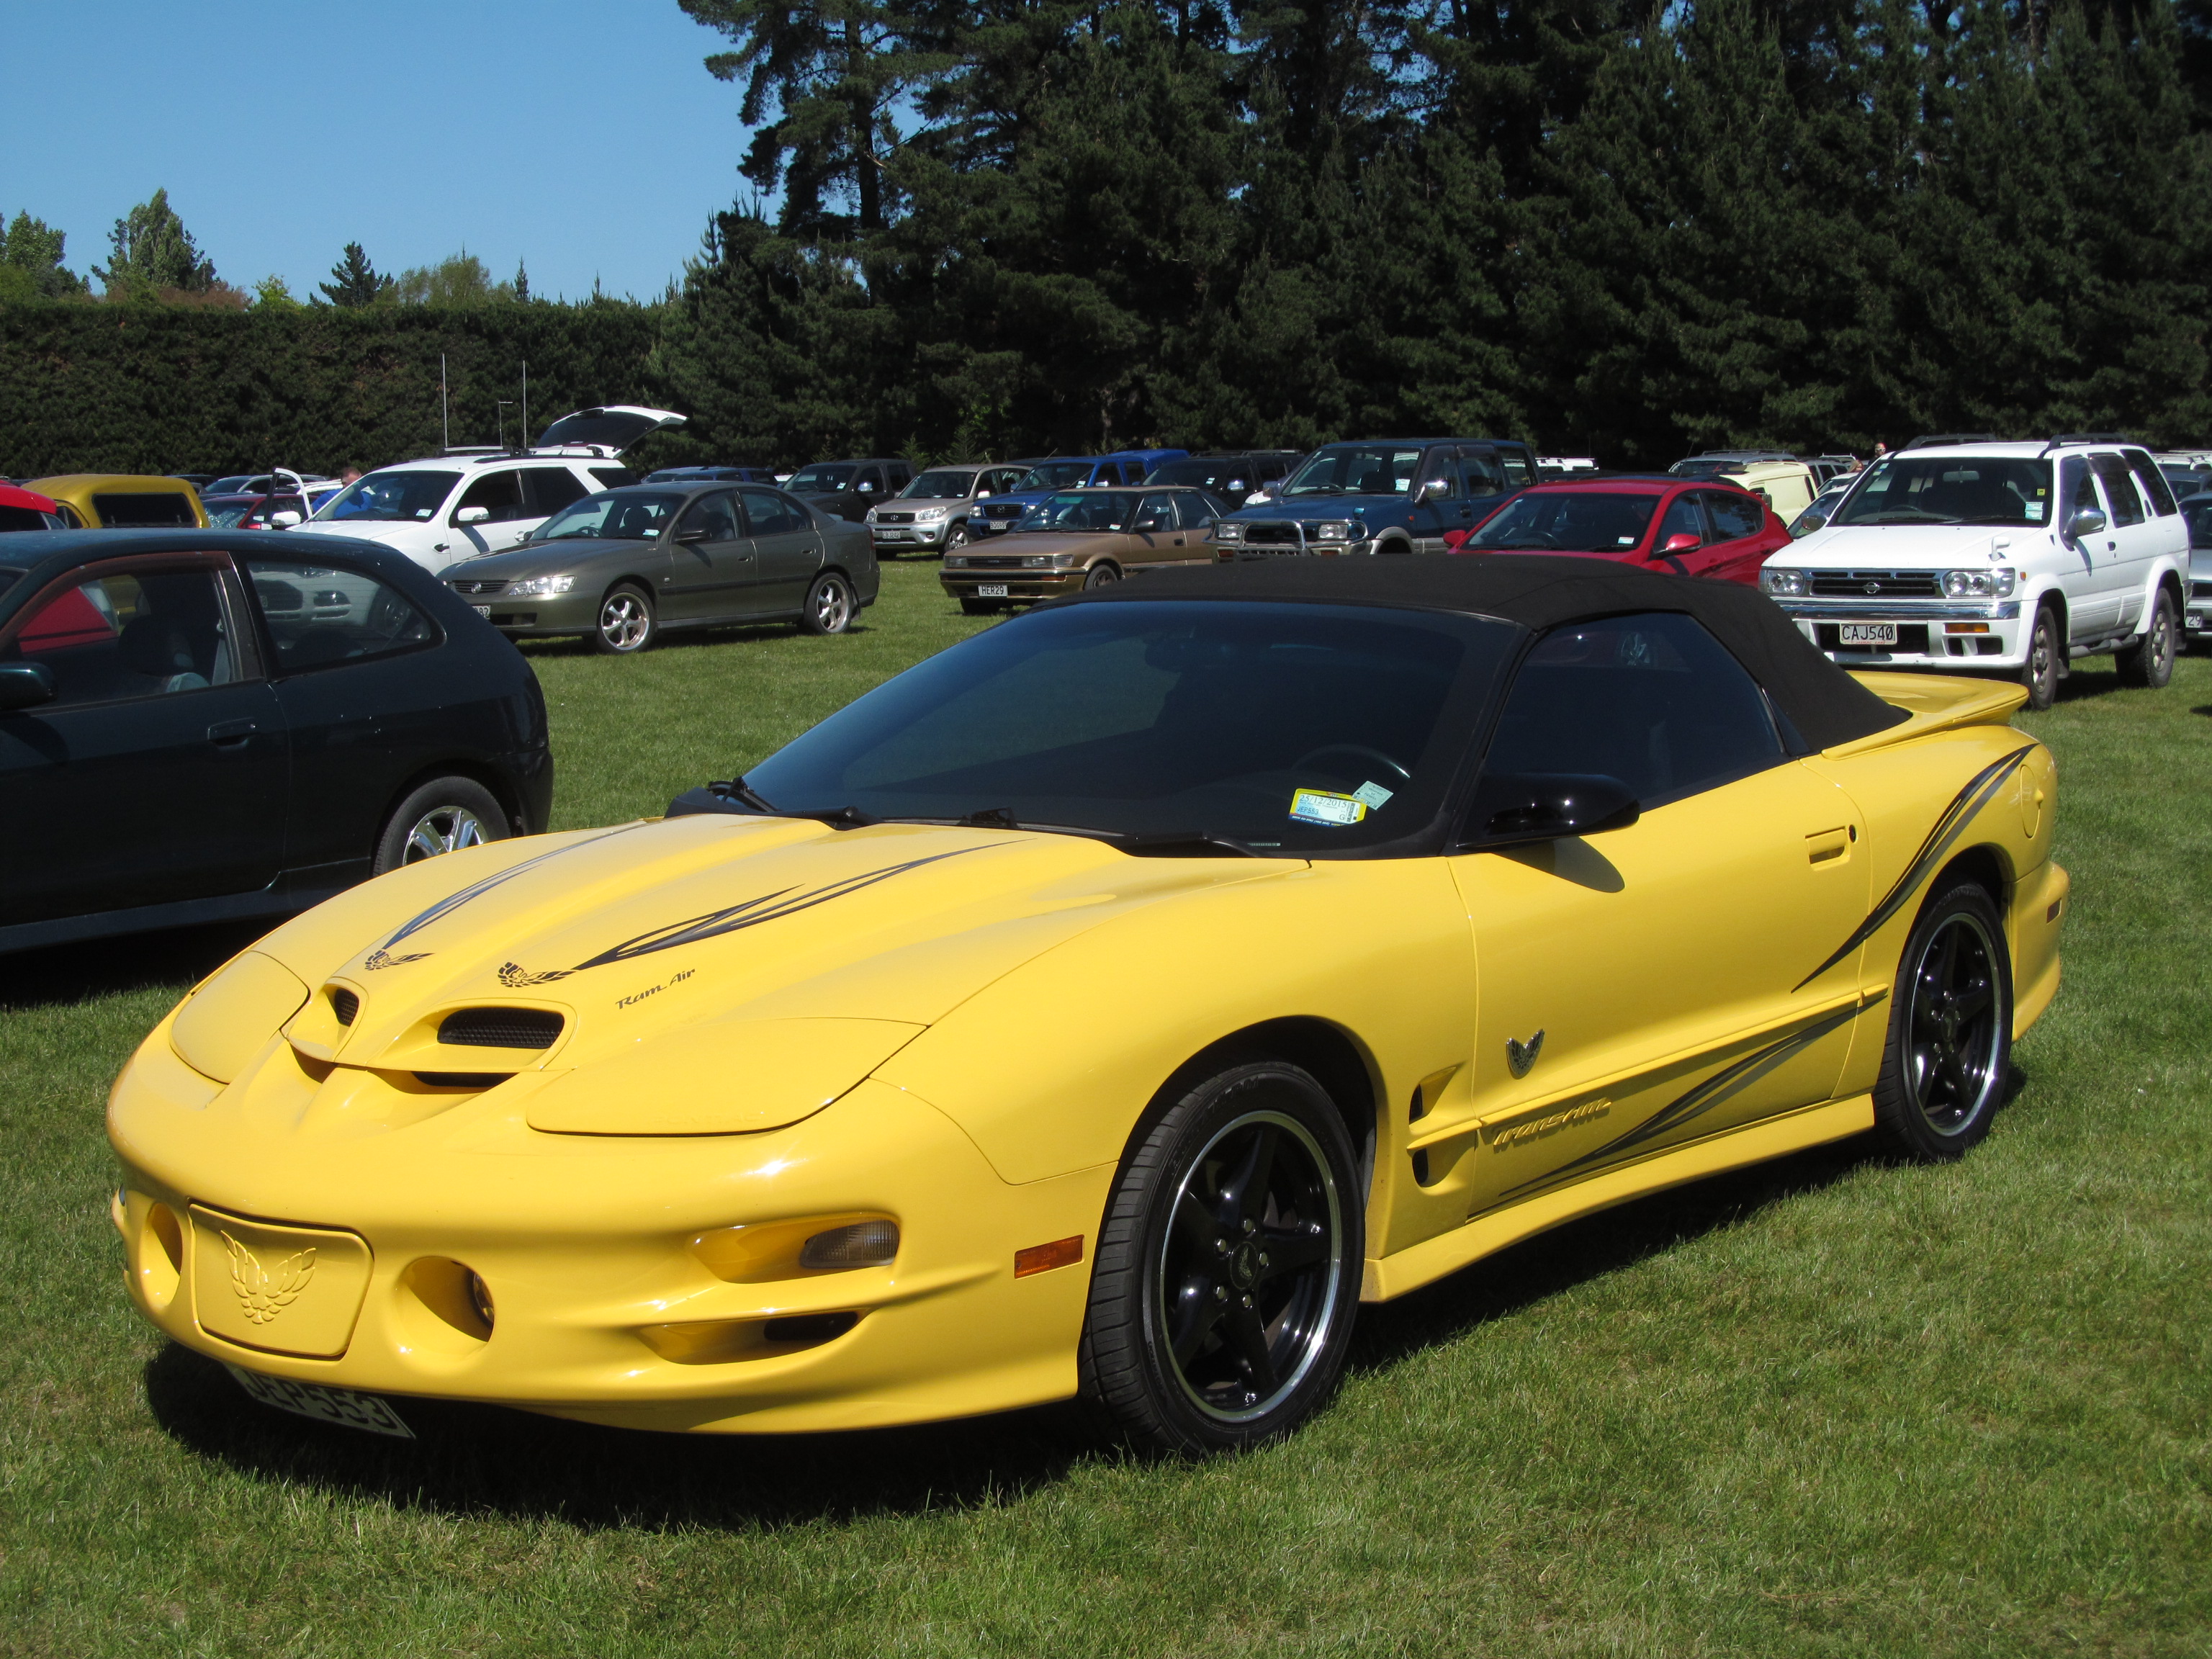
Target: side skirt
1485	1235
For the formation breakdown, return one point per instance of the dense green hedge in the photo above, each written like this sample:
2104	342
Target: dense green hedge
159	389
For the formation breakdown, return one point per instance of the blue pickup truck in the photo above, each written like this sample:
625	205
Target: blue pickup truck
1001	512
1380	496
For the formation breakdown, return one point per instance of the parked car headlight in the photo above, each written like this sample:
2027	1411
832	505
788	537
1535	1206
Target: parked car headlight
539	587
933	515
1785	584
1227	531
954	562
871	515
1333	530
1066	561
1992	583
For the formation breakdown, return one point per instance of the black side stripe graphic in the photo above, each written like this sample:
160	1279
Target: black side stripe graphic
768	907
1980	790
1723	1084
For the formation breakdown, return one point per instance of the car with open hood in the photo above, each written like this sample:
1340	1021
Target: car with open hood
1075	539
622	567
1093	1010
445	508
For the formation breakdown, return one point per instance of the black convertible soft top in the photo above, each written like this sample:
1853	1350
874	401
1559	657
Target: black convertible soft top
1827	705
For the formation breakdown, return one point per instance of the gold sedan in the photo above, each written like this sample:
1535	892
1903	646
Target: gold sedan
1077	539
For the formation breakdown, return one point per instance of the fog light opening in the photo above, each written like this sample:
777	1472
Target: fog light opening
480	1299
805	1330
160	1255
862	1244
455	1295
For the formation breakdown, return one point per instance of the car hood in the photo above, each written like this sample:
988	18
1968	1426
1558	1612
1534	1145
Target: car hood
926	503
1038	543
390	531
533	556
1310	507
805	954
1917	546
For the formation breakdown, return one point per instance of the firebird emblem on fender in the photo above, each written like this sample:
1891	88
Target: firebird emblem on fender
1521	1056
265	1292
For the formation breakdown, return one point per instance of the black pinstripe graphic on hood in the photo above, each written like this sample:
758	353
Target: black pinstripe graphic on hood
1980	790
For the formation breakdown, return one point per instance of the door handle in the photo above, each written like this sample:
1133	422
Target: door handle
1831	845
226	734
440	546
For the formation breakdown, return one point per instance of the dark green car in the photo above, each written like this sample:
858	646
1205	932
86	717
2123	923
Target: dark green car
619	567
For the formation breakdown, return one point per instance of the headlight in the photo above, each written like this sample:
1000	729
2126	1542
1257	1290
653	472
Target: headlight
1992	583
930	515
1037	562
1785	584
954	562
1333	530
539	587
871	515
1066	561
1227	531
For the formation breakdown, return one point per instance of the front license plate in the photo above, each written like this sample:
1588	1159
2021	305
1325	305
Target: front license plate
991	590
480	610
1866	634
343	1406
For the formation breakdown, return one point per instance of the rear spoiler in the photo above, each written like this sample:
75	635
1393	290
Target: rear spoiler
1935	703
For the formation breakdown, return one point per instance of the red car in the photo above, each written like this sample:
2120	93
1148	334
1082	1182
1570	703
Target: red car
26	509
1691	526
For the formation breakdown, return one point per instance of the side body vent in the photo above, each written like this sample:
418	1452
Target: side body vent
501	1027
344	1005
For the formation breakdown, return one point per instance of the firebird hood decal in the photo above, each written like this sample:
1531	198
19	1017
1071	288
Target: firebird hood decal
382	956
1980	790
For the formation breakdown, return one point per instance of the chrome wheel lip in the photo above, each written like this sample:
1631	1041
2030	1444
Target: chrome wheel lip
1976	1039
622	622
1319	1320
440	830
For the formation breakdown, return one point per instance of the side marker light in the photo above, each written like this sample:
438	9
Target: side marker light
1043	1258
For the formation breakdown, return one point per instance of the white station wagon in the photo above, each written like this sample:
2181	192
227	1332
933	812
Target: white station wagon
453	507
2010	558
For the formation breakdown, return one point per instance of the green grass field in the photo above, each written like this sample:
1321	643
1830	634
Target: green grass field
1829	1407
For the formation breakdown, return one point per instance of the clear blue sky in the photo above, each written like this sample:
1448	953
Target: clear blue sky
586	138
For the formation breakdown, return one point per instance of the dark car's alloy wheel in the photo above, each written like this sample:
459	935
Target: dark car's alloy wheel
829	606
1228	1269
443	816
2045	649
1950	1029
626	622
2150	661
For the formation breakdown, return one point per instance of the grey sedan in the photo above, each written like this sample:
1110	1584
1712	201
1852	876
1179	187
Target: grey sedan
619	567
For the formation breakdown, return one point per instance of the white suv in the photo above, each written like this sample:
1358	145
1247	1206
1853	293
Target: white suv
465	502
2005	557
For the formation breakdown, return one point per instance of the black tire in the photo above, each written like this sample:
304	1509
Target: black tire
2150	661
626	622
830	606
1211	1328
980	607
2046	658
1100	575
1944	1062
443	816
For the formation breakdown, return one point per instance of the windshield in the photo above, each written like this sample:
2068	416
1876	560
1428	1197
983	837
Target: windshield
228	515
1299	728
612	515
1950	489
1357	470
389	498
1222	477
1089	509
824	480
1056	474
1584	521
940	487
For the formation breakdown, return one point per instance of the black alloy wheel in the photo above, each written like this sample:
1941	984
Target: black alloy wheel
1100	575
1228	1270
830	605
627	623
1950	1029
444	816
2046	648
2149	660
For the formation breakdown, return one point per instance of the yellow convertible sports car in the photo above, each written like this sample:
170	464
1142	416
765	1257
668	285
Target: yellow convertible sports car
1106	1007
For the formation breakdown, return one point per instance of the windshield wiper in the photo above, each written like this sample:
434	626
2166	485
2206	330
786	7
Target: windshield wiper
837	818
1183	844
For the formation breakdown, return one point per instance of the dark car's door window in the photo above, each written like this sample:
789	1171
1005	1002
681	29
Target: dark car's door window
131	635
1519	475
1734	516
321	615
1683	518
500	494
1193	510
551	488
768	514
1652	699
1482	473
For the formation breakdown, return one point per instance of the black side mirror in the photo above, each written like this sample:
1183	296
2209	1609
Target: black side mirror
25	686
1517	808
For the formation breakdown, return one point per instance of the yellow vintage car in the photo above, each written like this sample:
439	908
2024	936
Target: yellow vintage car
122	500
1107	1006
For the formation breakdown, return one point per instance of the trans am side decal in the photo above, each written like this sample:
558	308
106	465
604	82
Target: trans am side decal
770	907
1695	1103
382	956
1980	790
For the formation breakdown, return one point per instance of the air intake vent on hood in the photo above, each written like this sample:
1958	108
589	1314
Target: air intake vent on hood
344	1005
502	1028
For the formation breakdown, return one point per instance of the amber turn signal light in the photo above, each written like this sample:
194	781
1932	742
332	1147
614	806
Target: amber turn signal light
1043	1258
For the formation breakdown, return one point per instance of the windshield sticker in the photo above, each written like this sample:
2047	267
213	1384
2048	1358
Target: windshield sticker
2034	511
1374	794
1325	806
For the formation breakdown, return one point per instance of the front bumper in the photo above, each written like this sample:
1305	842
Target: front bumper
2196	615
624	1288
969	583
1272	538
903	537
1931	633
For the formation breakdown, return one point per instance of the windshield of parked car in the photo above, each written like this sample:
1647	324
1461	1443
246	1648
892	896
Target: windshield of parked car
390	497
826	479
613	515
1234	476
940	487
25	518
1085	509
1951	489
228	515
1356	469
1296	730
2199	515
1055	475
1578	521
